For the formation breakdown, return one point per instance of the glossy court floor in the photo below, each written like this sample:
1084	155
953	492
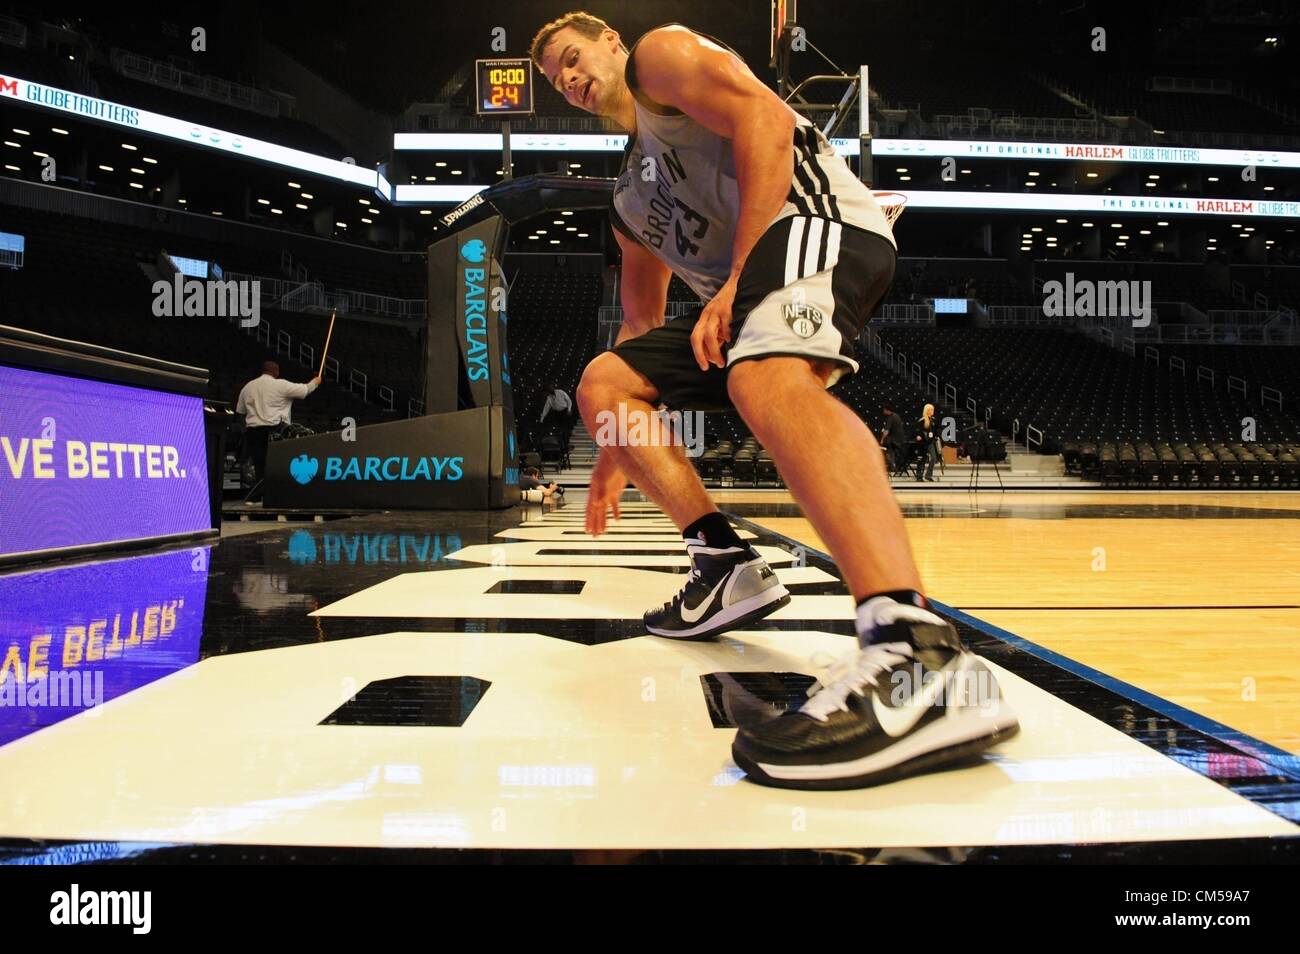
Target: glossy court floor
478	687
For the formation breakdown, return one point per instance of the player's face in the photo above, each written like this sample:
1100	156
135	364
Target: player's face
585	72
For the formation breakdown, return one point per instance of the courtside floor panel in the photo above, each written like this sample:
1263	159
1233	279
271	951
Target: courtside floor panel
460	683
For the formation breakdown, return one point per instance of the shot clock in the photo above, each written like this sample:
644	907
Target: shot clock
505	87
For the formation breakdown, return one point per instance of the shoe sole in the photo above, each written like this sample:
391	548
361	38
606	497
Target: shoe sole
959	750
733	617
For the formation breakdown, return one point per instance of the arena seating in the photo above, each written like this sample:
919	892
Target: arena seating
1075	389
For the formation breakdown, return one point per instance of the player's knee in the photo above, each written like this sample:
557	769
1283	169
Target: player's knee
598	388
743	383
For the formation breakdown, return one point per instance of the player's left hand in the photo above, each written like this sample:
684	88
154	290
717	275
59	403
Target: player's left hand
713	329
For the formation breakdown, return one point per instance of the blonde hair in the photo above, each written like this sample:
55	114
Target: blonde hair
587	25
927	412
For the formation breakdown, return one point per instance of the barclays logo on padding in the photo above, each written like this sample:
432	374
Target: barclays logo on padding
395	468
304	469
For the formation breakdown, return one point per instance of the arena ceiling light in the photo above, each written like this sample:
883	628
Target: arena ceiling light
1212	179
107	168
909	179
1092	175
13	168
367	221
21	132
136	185
61	132
1062	221
426	211
1035	173
130	148
294	185
299	205
43	155
1144	232
306	195
1087	225
16	145
567	212
181	202
455	172
152	162
364	201
276	212
263	201
137	171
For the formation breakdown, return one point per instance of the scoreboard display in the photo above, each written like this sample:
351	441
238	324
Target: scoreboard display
505	87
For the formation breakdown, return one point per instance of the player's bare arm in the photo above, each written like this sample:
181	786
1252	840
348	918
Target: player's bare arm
644	289
681	69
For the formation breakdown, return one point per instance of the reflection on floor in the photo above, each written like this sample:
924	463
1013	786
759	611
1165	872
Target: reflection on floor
482	683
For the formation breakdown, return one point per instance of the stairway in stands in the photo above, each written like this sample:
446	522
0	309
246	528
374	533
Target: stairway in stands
582	458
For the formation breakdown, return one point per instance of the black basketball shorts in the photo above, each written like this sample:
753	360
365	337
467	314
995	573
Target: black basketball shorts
807	290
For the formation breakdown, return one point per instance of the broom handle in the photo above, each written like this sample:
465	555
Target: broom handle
324	354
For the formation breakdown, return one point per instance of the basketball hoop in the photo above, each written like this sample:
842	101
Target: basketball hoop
891	203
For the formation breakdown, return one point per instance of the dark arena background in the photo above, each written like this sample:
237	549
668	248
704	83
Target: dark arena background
355	636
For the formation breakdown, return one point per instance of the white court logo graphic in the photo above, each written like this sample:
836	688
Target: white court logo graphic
73	907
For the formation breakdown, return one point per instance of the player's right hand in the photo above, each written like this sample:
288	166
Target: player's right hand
607	485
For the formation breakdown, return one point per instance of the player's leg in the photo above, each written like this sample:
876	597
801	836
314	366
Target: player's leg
911	697
729	584
833	467
610	391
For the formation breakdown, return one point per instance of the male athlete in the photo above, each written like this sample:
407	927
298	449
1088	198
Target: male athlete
727	187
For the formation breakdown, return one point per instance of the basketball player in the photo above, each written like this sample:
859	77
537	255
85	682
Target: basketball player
727	187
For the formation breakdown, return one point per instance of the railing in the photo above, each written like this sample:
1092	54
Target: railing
214	88
309	296
904	315
1033	437
1026	315
357	381
12	32
11	258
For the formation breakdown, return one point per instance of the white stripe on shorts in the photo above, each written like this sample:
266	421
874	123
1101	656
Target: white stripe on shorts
814	249
792	250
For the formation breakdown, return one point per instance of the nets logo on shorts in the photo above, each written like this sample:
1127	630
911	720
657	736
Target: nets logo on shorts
804	320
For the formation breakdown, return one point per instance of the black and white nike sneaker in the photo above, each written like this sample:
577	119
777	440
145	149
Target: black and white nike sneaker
911	700
727	588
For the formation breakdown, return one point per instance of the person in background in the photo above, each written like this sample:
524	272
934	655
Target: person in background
927	439
530	479
266	403
893	440
559	402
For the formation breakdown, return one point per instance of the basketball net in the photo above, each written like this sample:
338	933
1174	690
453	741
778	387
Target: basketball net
891	203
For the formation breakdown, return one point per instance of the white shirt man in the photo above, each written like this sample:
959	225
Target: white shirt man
267	401
559	402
